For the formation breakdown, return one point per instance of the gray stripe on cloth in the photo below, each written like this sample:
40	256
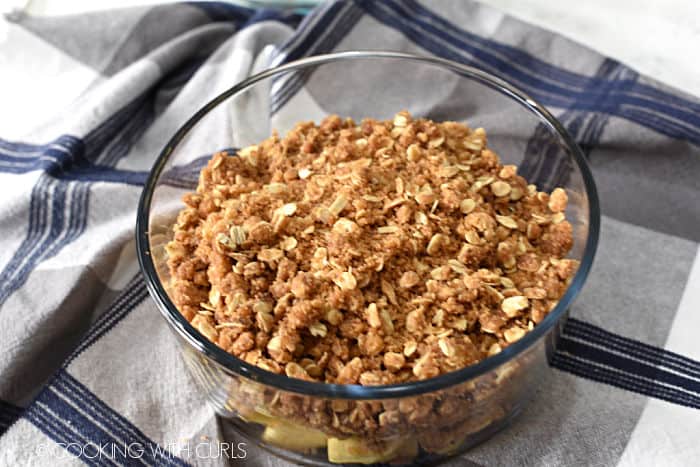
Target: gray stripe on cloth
39	339
116	39
636	283
195	44
648	179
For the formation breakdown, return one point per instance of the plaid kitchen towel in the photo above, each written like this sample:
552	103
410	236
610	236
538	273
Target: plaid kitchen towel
87	103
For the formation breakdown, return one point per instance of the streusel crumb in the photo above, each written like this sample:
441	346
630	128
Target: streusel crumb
371	253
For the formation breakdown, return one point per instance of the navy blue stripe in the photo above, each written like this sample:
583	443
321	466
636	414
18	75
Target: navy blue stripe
179	176
57	224
132	295
86	413
78	224
99	136
623	380
298	79
677	122
654	355
20	264
73	429
52	427
37	216
64	229
24	147
64	143
609	70
543	163
107	175
34	248
96	139
673	100
267	14
628	365
183	73
38	212
55	166
219	11
131	132
301	32
590	352
72	166
310	30
61	154
45	238
592	134
55	157
92	173
656	122
74	225
186	175
290	86
63	388
317	29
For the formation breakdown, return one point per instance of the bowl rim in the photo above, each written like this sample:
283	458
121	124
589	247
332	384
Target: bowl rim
239	367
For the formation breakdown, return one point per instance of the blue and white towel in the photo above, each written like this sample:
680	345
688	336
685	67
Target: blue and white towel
86	362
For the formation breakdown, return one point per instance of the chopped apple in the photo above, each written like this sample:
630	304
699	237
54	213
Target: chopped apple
358	451
257	416
294	437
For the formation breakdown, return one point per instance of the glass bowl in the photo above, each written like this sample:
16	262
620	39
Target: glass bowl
412	423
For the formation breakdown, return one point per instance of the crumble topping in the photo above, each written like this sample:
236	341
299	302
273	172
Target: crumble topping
372	253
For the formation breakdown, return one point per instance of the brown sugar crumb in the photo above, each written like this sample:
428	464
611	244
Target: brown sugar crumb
368	254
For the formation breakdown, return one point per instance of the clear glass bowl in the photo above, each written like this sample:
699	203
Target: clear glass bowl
419	422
